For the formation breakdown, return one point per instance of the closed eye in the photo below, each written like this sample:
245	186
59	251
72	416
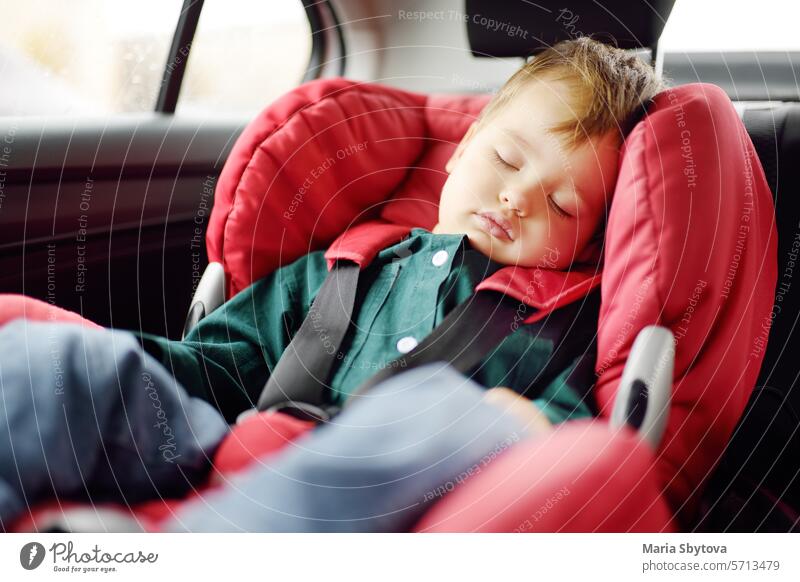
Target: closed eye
499	160
557	209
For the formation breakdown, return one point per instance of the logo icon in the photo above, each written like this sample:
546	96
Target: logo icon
31	555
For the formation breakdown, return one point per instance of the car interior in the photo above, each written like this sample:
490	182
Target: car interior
107	186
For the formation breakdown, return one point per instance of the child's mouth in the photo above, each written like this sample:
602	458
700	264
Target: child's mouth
495	225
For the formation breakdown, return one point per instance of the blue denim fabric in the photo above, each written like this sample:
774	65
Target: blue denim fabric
85	414
376	468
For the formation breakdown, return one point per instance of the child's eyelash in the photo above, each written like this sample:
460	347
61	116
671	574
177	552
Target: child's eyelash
501	161
556	208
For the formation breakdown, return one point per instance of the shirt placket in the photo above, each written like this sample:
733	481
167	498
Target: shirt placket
431	267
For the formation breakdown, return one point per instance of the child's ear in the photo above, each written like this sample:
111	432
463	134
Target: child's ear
451	163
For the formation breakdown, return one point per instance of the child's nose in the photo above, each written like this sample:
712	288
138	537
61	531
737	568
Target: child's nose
515	201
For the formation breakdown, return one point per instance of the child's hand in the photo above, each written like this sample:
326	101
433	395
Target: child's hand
524	409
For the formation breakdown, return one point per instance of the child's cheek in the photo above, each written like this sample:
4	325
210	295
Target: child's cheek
485	179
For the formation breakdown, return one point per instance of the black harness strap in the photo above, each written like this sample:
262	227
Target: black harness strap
301	375
465	336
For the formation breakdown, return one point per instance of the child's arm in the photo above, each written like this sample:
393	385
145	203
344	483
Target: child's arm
228	356
520	406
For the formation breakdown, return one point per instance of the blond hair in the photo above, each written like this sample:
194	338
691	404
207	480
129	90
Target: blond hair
611	87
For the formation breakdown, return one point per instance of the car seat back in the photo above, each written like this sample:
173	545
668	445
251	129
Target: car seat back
758	474
775	132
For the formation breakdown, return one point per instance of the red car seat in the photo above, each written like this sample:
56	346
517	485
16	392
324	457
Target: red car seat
690	245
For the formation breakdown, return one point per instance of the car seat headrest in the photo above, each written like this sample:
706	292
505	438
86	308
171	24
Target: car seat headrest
511	29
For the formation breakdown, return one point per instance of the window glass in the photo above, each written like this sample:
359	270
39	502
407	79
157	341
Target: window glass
732	25
245	54
83	56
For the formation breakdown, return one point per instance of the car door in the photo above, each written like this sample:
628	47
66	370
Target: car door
115	124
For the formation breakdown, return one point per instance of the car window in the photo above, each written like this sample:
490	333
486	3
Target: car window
83	56
732	25
245	53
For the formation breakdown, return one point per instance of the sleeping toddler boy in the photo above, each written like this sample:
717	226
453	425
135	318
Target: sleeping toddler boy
529	186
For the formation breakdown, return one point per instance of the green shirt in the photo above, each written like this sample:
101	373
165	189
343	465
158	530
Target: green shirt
404	293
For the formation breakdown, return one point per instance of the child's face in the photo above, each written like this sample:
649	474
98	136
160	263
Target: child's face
548	199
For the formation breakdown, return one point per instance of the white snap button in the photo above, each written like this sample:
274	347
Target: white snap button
439	258
406	344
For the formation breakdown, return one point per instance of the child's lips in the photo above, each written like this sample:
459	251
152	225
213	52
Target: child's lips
495	225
